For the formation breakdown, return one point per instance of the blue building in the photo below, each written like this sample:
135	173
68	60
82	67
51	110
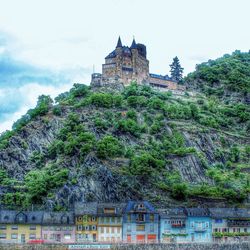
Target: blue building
230	224
173	225
199	225
140	223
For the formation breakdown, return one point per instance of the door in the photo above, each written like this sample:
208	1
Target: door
22	238
140	238
152	238
58	237
128	238
94	237
192	237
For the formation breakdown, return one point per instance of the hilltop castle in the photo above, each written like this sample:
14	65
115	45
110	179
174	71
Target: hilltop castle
125	64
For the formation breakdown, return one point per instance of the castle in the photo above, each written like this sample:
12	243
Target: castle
126	64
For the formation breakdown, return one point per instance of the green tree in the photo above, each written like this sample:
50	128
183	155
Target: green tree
176	70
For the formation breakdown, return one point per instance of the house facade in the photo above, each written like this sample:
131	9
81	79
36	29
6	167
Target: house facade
20	227
58	227
140	223
230	224
173	225
110	222
86	222
199	225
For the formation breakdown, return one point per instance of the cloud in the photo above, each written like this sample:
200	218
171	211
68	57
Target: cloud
21	83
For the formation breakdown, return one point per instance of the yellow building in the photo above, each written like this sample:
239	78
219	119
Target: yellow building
86	222
20	227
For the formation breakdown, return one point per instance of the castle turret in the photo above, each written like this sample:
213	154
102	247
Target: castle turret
119	43
133	45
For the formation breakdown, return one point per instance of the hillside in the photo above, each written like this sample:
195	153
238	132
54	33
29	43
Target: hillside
133	143
226	78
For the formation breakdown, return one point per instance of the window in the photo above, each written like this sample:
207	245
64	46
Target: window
14	227
102	230
113	219
93	218
45	236
107	229
129	217
118	230
218	221
207	225
79	227
67	236
152	228
151	217
2	227
112	230
32	227
79	218
119	220
2	236
245	230
140	227
32	236
192	224
140	217
94	228
13	236
129	228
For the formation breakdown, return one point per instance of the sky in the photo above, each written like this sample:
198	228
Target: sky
47	45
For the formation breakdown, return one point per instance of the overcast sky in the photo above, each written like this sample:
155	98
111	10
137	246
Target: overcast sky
46	45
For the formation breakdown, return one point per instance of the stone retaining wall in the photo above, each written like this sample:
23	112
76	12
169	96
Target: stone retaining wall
205	246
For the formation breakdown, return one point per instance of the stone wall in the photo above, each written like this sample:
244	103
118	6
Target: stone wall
201	246
204	246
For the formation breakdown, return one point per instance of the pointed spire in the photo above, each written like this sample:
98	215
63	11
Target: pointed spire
119	43
133	45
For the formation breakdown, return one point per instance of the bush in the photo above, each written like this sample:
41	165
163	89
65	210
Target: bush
109	146
145	164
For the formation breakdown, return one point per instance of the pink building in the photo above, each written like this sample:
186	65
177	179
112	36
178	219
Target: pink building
58	227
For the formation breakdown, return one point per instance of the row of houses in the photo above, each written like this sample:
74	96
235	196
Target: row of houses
131	222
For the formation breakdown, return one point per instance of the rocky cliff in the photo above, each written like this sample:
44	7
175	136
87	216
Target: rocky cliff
135	143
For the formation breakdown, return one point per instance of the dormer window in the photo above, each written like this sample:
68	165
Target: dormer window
140	217
33	218
6	217
141	206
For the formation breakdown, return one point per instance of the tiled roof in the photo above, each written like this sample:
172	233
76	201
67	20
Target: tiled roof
58	218
166	77
195	212
19	217
82	208
132	206
173	213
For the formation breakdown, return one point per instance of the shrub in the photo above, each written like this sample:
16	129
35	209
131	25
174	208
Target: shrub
109	146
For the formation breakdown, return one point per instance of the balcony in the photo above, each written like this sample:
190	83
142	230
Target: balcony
178	225
200	229
238	223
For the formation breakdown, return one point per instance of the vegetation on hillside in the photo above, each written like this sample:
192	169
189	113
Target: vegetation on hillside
230	73
145	130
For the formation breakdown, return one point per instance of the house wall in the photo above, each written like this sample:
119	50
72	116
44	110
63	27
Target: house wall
86	228
199	229
140	232
22	233
58	233
172	234
110	229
